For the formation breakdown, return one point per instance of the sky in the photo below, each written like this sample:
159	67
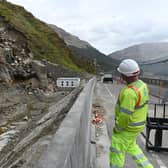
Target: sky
108	25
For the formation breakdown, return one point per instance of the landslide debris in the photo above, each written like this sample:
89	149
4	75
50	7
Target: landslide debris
32	57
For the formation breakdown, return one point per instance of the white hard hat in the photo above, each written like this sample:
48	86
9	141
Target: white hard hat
129	68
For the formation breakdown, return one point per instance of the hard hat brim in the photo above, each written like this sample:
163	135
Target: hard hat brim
128	74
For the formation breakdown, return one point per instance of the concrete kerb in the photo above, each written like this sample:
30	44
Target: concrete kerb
70	146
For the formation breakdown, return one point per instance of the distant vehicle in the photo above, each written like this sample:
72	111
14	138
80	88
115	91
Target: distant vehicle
108	78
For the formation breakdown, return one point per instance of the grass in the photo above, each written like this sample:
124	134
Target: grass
42	40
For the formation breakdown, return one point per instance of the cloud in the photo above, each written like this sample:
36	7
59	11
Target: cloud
108	25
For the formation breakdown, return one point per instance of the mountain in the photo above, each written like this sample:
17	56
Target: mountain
41	40
156	69
143	52
149	56
84	50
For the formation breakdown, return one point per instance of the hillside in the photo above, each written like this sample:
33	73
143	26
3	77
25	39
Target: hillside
143	52
84	50
149	55
41	40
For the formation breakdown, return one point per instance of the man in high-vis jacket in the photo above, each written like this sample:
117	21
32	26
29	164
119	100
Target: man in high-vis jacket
130	117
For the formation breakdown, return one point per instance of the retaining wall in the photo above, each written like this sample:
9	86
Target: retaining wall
71	145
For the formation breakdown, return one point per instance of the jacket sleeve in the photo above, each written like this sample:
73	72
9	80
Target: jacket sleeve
128	101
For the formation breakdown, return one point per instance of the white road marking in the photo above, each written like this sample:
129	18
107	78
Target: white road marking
158	160
109	91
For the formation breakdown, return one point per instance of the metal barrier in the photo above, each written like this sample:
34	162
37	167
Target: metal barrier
157	123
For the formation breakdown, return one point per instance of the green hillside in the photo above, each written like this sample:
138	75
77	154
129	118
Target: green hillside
42	40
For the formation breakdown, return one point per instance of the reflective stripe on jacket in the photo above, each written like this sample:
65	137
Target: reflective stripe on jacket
132	107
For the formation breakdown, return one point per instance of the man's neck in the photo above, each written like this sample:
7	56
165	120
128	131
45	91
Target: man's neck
132	79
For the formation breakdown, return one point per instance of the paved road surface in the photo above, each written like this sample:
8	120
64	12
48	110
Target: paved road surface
107	93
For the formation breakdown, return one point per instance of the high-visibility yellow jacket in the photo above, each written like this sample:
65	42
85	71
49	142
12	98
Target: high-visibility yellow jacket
132	107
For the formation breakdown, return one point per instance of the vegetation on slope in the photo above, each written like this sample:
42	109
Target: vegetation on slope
42	40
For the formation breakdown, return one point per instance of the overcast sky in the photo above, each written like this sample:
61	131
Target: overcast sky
108	25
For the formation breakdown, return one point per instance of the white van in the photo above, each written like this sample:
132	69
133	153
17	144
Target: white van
107	78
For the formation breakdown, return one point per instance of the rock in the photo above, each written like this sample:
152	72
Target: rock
26	118
41	72
2	57
4	74
27	61
30	55
3	129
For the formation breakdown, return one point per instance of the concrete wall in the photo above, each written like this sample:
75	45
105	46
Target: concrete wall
71	146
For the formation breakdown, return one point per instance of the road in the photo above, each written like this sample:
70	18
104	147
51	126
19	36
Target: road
107	94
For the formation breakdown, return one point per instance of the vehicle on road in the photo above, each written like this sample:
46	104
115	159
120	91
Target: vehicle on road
107	78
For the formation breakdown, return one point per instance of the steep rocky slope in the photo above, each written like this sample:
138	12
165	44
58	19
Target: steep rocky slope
36	36
32	57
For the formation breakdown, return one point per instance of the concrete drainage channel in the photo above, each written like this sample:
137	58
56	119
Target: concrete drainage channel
28	150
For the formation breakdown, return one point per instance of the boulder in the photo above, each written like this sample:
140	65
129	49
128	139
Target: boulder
41	72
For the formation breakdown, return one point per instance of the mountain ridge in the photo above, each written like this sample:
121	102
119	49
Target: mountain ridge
148	55
84	50
142	52
69	38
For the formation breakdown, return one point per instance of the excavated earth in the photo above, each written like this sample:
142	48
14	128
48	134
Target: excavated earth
28	119
31	106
